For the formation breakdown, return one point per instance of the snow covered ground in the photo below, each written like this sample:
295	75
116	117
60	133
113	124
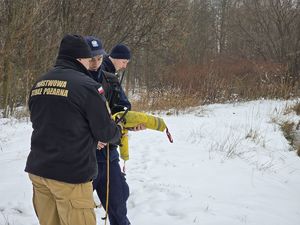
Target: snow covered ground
229	164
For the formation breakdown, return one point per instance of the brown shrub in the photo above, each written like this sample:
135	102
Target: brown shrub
296	108
220	80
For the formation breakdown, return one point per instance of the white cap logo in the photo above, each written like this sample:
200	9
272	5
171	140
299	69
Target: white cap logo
95	44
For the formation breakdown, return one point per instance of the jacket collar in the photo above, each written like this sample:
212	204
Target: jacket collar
70	63
108	65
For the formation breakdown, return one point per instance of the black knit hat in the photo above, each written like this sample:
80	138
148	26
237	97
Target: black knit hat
120	51
74	46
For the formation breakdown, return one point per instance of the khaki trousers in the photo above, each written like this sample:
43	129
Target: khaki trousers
59	203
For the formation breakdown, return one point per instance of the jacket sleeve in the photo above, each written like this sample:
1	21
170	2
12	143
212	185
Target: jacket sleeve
123	99
102	126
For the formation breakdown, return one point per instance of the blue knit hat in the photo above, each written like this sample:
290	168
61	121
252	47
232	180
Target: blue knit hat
120	51
95	45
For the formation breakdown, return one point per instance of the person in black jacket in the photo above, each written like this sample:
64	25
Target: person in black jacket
69	116
112	66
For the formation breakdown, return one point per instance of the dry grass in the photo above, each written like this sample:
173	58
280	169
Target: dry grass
21	113
165	101
288	129
296	108
291	129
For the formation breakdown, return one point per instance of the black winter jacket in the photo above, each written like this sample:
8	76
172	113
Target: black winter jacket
68	117
121	98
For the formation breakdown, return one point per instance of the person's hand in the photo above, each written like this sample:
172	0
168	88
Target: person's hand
138	127
101	145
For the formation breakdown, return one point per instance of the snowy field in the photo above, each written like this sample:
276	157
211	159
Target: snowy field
229	165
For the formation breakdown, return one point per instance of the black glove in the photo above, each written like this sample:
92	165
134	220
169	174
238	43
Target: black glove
117	108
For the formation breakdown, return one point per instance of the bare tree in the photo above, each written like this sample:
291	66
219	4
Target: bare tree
167	38
271	29
200	43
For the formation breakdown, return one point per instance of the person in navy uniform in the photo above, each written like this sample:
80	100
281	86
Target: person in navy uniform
107	75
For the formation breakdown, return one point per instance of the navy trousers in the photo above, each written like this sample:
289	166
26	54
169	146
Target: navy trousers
118	192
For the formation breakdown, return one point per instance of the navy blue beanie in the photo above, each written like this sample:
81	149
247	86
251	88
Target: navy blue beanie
95	45
75	47
120	51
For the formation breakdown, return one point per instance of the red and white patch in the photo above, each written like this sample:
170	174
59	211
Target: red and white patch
101	90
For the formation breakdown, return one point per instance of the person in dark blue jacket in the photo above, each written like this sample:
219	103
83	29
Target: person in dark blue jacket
107	75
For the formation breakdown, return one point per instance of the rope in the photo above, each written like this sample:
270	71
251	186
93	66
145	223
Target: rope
107	183
124	167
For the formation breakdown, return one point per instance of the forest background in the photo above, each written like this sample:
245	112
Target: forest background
185	52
